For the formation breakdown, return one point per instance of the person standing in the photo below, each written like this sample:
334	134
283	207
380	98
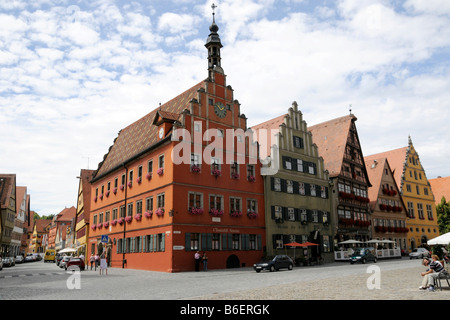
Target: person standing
103	264
97	261
205	262
92	260
197	258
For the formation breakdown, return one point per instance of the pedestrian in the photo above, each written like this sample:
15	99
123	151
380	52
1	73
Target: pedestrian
205	262
429	276
103	264
197	258
92	260
96	257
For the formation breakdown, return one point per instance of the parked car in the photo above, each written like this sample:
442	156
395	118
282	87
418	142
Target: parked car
278	262
75	263
363	255
20	259
63	262
7	262
58	259
29	258
1	263
419	253
37	256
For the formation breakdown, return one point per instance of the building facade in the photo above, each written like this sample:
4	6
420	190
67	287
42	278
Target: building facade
184	178
416	194
83	210
386	204
8	213
296	189
339	145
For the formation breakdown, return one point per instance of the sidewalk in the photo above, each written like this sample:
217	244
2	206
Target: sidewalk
394	285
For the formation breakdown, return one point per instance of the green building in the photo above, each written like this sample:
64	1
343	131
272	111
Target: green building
296	190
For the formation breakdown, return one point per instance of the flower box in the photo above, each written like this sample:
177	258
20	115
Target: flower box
139	180
106	224
94	227
236	213
148	214
195	210
216	173
107	193
101	196
195	168
130	184
235	175
148	176
216	212
95	199
114	222
122	187
120	221
251	178
99	225
115	190
252	214
159	212
138	216
160	171
128	219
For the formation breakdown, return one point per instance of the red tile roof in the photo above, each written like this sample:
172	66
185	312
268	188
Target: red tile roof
142	134
441	188
331	140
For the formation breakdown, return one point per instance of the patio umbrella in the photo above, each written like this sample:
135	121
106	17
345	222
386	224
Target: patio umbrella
442	239
351	241
67	250
308	244
293	244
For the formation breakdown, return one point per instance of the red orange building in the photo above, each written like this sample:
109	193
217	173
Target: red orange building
183	178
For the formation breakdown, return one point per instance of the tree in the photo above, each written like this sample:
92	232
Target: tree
443	216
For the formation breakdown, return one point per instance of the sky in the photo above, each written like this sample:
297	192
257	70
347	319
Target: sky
73	73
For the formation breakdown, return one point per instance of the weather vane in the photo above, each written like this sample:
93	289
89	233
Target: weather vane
213	6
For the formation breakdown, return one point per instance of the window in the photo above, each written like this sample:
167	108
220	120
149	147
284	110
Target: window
123	180
95	219
195	200
195	160
278	241
303	215
234	170
116	183
420	211
235	242
277	184
215	202
139	207
130	209
429	212
291	214
150	166
130	176
107	213
250	172
315	216
299	165
197	126
287	163
252	206
290	186
149	204
313	190
278	212
160	198
215	164
114	214
298	142
215	241
140	172
235	204
195	241
323	192
161	161
301	188
122	211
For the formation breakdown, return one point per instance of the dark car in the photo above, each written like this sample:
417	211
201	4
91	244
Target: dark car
363	255
75	263
278	262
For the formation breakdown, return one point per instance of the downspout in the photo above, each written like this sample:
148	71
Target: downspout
124	223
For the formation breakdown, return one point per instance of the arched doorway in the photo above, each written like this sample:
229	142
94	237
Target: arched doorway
233	262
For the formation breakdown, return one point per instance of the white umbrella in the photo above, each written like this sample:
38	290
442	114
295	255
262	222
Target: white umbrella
442	239
380	241
350	242
66	250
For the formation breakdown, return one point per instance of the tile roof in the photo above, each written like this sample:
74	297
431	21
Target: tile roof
440	188
331	140
7	183
396	159
273	124
142	134
375	170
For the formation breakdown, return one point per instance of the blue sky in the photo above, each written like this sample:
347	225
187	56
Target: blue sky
73	73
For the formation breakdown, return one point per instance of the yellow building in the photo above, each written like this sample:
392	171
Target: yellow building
416	194
83	210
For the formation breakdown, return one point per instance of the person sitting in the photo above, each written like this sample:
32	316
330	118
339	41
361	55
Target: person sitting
429	276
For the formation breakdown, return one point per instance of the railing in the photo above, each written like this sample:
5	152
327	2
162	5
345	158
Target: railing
343	255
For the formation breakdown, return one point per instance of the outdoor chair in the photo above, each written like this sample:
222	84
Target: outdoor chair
443	275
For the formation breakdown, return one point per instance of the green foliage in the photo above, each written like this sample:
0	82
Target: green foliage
443	216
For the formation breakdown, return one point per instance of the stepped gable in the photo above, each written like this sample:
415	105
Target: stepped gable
269	125
331	140
142	134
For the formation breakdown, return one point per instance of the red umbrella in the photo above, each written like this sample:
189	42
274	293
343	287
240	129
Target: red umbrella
293	244
308	244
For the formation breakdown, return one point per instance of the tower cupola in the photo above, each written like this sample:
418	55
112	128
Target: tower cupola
213	45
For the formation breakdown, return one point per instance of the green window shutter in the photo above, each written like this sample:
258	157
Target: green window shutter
187	241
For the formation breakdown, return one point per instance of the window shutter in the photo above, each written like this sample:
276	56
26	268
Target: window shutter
187	241
163	242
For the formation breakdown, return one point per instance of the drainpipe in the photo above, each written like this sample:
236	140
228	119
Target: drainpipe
125	223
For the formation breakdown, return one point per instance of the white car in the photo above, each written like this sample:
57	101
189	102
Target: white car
63	262
419	253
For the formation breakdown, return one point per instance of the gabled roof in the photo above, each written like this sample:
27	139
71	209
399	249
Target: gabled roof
41	224
331	140
269	125
142	134
396	158
440	188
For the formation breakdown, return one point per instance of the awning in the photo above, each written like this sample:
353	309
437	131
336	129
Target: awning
350	242
67	250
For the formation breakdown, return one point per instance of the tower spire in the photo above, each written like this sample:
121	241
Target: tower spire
213	45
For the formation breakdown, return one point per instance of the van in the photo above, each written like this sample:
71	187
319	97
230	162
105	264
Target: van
49	255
